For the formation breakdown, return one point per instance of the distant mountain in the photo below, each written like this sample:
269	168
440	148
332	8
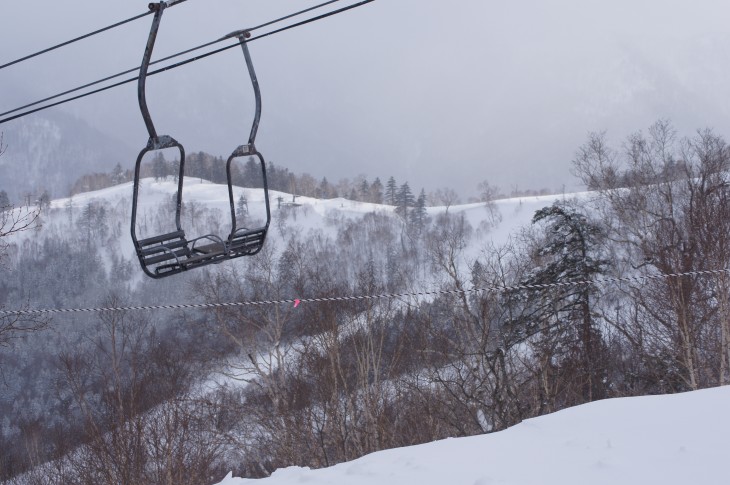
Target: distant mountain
49	152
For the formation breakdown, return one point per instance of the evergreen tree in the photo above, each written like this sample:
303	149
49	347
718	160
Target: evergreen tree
117	175
325	190
365	191
419	214
569	253
159	167
93	222
4	200
404	200
376	191
391	192
252	174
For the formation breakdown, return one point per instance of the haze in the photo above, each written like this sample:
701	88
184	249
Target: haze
436	93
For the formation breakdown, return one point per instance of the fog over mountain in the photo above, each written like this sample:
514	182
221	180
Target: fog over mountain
437	93
49	152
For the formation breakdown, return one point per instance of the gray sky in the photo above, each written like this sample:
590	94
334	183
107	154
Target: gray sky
439	93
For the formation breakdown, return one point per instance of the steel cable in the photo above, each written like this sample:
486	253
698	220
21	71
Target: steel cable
85	36
173	66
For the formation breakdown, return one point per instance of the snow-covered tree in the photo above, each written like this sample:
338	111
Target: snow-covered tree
570	338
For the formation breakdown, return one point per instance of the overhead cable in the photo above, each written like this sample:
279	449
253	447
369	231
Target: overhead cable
85	36
173	56
176	65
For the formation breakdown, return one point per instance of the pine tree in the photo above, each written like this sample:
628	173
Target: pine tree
391	192
159	167
252	176
376	192
4	200
419	214
569	253
324	190
404	200
365	195
117	175
93	222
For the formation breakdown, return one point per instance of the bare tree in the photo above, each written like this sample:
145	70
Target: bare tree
13	221
666	200
445	197
488	194
143	421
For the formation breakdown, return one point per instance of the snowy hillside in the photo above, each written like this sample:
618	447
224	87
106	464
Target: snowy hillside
507	217
311	213
320	384
677	439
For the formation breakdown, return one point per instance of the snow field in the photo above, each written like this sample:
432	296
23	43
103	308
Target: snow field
670	440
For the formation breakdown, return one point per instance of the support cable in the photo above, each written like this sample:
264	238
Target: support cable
85	36
176	65
297	301
133	69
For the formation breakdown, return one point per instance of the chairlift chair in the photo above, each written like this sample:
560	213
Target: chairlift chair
171	253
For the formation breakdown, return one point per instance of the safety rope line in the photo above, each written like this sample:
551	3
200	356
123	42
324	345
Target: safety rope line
85	36
172	66
298	301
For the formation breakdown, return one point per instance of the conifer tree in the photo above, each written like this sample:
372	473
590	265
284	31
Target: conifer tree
376	192
404	200
419	215
569	253
364	190
159	167
391	192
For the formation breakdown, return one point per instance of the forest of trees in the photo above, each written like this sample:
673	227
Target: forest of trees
600	297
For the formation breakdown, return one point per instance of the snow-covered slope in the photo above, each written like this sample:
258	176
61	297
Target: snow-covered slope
670	440
310	213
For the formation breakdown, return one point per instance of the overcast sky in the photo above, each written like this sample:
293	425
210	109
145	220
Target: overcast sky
438	93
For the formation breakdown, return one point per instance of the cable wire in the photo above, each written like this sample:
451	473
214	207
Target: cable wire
297	301
85	36
313	19
176	65
133	69
108	78
286	17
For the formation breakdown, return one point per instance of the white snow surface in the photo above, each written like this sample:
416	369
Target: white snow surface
311	214
677	439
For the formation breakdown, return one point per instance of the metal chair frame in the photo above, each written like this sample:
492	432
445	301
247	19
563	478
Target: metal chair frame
172	253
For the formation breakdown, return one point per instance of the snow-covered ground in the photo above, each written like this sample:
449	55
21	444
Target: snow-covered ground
310	213
667	440
679	439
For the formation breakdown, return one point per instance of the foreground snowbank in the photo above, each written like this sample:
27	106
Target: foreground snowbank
677	439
